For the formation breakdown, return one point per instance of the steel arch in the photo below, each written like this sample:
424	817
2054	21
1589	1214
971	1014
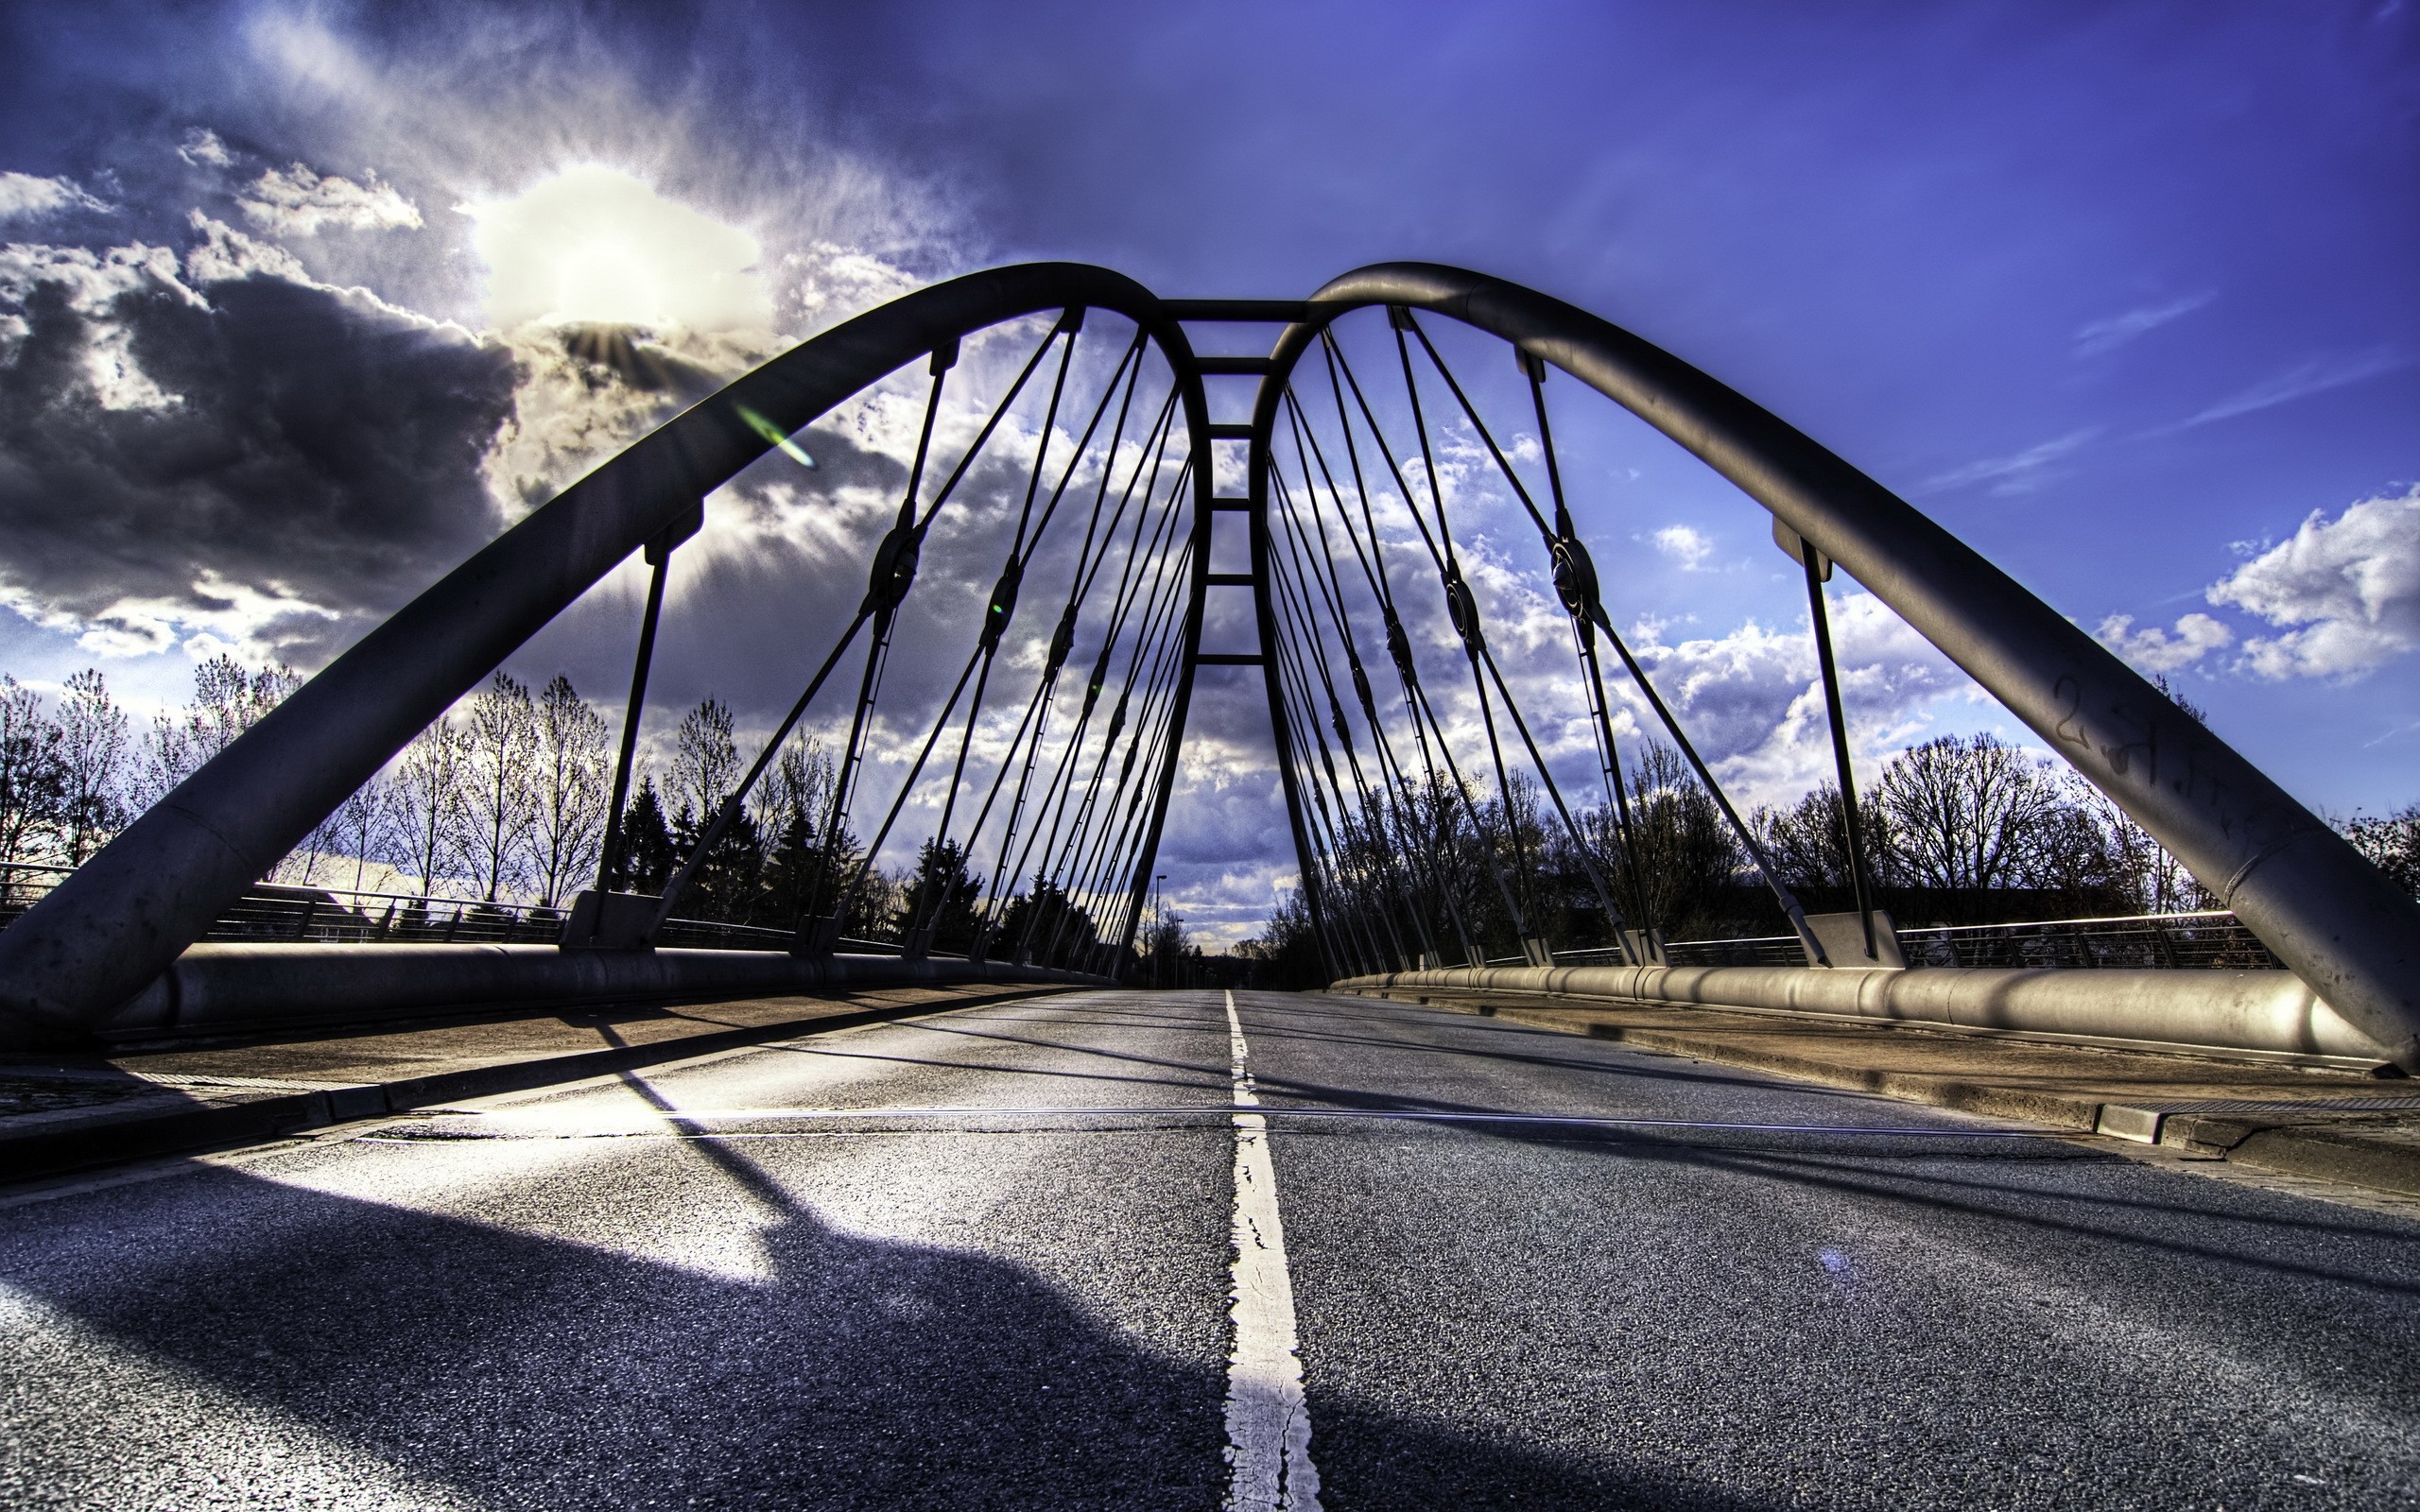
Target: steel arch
2331	916
112	928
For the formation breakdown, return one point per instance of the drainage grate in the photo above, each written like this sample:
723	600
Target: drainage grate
2291	1105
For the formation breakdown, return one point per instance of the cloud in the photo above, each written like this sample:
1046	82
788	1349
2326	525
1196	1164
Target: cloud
202	148
2094	337
2023	473
596	244
297	202
1685	546
226	254
2351	584
1752	702
221	449
2153	649
2316	376
24	196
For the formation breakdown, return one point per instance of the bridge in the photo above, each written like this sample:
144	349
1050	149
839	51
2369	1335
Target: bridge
1014	1231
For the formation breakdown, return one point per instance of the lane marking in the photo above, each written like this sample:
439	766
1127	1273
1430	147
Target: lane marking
1269	1425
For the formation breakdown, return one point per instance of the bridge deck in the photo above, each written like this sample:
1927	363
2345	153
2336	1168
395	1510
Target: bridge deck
982	1259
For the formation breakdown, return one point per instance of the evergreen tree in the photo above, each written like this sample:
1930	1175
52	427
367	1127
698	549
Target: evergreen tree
941	896
648	852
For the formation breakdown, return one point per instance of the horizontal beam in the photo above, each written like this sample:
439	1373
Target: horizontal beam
234	989
1228	658
1234	432
1264	312
1231	505
2270	1012
1231	580
1236	367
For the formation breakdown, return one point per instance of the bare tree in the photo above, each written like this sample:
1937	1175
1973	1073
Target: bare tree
428	803
499	786
2392	844
92	747
798	787
227	700
32	776
574	778
705	761
360	824
1964	813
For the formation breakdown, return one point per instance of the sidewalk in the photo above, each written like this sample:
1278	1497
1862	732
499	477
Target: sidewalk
2330	1124
64	1113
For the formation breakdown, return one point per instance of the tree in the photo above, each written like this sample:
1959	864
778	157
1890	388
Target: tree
227	700
499	755
573	789
940	895
1965	812
1034	920
33	775
1689	861
428	809
93	749
705	760
798	785
1808	842
2392	844
647	854
1287	954
361	822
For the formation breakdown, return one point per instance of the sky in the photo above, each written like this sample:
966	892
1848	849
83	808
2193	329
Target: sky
2122	294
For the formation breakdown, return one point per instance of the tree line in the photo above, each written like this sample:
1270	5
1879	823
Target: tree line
505	800
1960	830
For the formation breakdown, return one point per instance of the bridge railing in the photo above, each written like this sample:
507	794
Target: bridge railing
313	913
2214	940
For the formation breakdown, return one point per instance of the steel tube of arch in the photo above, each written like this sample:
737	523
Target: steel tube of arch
111	928
2307	894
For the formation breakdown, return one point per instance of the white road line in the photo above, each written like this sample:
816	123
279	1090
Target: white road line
1269	1427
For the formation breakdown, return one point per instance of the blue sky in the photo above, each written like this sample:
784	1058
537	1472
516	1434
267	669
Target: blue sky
2122	294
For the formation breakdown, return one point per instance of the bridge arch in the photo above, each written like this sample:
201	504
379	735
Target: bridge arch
2328	915
113	927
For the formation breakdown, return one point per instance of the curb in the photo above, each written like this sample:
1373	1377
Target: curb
113	1138
2359	1148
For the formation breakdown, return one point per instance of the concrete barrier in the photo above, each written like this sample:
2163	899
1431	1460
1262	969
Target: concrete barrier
239	988
2269	1011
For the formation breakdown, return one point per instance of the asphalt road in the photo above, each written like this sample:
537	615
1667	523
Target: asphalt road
981	1259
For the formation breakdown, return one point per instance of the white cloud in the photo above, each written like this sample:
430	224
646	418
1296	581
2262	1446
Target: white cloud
1751	703
2020	473
227	253
22	195
2097	336
596	245
2153	649
2352	585
1685	544
202	148
832	282
299	202
2316	376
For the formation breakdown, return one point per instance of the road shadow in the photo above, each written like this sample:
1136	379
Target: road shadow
512	1371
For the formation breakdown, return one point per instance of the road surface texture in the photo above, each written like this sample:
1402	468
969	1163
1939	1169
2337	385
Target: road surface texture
987	1258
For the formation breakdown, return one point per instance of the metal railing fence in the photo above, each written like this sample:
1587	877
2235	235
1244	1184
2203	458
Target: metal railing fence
345	916
2214	940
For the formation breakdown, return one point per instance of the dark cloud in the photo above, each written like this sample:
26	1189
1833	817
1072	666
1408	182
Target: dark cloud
314	442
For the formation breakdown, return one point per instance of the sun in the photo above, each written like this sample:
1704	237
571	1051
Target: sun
595	245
